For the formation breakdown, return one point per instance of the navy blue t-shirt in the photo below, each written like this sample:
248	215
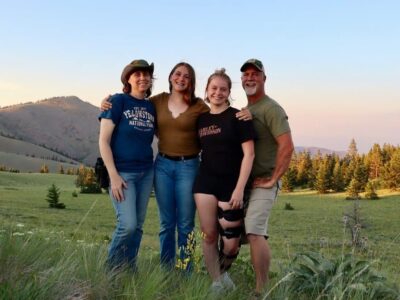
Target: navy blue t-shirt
133	134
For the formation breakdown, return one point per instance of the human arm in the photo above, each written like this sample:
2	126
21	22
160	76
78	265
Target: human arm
116	182
282	161
244	114
245	168
106	103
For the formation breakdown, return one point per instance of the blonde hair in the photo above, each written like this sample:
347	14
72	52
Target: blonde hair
221	74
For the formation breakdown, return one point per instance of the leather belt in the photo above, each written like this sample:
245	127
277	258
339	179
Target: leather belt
178	158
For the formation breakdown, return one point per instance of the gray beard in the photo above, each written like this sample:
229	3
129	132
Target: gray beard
250	91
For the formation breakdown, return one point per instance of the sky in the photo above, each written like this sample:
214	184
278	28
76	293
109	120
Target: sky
334	66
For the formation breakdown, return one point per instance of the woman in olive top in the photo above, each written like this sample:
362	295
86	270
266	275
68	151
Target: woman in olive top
177	160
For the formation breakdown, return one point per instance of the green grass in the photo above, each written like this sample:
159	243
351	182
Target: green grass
88	216
315	224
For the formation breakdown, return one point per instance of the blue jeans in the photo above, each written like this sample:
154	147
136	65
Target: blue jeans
130	214
173	183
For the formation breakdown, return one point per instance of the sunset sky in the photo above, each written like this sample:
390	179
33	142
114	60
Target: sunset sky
333	65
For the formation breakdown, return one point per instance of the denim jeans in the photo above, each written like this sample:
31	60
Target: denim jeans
130	214
173	183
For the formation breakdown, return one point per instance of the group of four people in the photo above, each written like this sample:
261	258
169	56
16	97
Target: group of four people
239	160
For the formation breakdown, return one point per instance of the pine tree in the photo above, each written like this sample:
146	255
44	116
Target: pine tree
374	161
322	180
352	151
53	197
361	174
316	162
304	169
337	178
392	171
350	168
289	180
370	191
353	190
387	152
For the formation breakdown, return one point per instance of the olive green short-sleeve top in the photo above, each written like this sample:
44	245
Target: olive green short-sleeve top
177	136
270	121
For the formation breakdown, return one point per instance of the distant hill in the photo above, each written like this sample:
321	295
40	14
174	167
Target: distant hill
323	151
10	145
26	157
65	125
32	164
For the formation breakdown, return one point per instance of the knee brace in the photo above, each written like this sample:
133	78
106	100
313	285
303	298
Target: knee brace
232	232
230	214
225	261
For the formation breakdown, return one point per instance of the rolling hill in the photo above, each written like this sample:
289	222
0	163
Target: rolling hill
27	157
67	126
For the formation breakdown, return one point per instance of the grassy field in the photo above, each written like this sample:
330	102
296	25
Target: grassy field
316	223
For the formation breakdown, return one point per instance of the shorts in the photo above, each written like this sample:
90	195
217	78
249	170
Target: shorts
221	186
258	209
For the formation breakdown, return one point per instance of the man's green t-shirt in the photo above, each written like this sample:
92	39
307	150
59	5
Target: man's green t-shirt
270	121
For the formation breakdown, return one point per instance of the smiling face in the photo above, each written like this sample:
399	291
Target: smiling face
253	82
180	79
140	82
218	91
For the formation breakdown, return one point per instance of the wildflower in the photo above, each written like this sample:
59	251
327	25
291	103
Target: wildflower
29	232
186	253
18	234
20	225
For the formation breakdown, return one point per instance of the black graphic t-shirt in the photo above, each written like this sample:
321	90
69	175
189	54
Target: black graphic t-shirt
221	136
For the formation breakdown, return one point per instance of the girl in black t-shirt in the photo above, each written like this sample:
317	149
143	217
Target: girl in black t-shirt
226	160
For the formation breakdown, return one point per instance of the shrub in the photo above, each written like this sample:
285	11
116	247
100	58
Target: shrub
313	276
44	169
370	191
288	206
86	180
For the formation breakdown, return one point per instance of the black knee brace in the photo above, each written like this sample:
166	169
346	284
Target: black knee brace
230	214
223	258
232	232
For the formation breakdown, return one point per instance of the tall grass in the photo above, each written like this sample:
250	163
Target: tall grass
45	265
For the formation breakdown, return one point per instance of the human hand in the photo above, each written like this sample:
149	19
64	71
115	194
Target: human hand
264	183
117	184
244	114
236	201
106	104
